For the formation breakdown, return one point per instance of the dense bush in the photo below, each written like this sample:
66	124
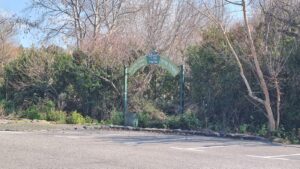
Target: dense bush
32	113
86	86
71	82
144	119
117	118
29	79
75	118
187	121
219	91
90	120
57	116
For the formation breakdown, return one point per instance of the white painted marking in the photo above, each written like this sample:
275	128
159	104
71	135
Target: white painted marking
266	157
285	155
277	157
196	148
186	149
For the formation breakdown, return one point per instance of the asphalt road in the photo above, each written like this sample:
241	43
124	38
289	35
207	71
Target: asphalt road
87	149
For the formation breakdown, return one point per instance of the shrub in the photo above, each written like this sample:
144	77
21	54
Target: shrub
31	113
47	106
184	121
90	120
263	131
33	70
244	128
2	109
117	118
43	116
75	118
43	110
147	113
57	116
173	122
189	121
143	119
150	110
9	107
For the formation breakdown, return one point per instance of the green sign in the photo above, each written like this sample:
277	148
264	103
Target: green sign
153	58
163	62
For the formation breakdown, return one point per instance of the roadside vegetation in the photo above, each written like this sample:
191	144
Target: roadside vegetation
241	77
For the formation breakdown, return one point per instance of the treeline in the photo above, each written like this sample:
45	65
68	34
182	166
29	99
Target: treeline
47	83
241	76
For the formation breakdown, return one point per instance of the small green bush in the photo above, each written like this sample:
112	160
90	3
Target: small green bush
57	116
75	118
48	106
31	113
9	107
117	118
90	120
43	116
2	109
143	119
244	128
173	122
263	131
189	121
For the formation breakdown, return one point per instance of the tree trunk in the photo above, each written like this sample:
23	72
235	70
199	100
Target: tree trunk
271	120
278	95
262	82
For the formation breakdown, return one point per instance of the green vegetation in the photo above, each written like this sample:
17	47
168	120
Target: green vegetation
57	116
70	91
75	118
117	118
32	113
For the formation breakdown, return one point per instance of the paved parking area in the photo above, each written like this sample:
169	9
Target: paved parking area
89	149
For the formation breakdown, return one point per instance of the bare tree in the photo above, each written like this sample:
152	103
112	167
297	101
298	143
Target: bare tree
167	25
279	27
284	12
107	24
253	57
7	49
61	17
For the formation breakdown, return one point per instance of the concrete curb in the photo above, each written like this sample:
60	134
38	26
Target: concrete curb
204	132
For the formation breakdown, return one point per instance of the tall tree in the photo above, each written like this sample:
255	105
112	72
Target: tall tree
252	55
279	29
61	17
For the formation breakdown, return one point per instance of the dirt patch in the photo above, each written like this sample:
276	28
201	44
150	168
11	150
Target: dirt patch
30	125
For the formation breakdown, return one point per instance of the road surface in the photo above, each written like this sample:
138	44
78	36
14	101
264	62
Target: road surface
100	149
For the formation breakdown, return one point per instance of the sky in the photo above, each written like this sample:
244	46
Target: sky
13	5
16	7
28	39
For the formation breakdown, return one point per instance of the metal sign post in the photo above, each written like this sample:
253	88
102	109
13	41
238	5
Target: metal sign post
125	91
181	94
